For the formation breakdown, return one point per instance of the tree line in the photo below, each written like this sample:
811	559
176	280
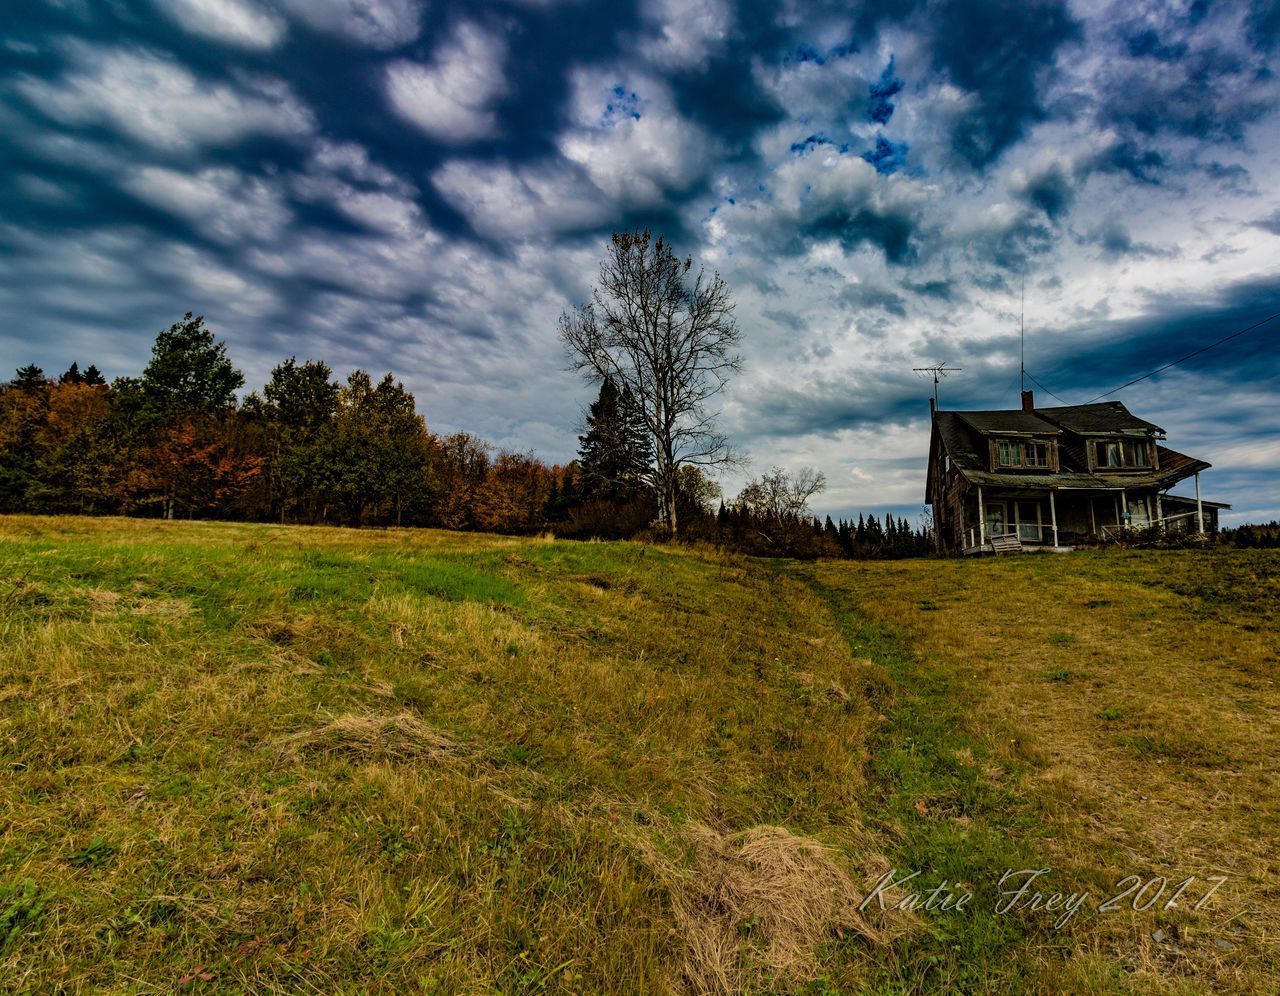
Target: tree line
657	340
174	442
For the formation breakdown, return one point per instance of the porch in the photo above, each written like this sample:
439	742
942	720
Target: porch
1060	519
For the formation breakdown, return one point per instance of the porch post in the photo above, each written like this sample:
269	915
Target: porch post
1199	506
1159	512
1119	501
982	519
1093	517
1053	516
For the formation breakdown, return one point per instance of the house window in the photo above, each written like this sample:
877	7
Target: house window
996	523
1017	453
1008	453
1120	453
1030	526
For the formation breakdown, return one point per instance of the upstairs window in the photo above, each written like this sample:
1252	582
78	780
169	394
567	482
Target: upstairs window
1022	453
1120	454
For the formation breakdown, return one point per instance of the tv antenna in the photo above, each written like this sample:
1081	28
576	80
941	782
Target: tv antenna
939	372
1022	334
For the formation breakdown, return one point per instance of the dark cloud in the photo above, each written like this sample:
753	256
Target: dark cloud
941	290
888	230
1271	223
1051	190
1143	164
1116	241
998	50
1147	44
1264	22
876	210
868	296
1186	75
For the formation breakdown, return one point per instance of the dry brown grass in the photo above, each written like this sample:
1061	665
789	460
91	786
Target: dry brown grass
754	907
1145	712
402	737
391	761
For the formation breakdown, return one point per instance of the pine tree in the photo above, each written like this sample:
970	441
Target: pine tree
30	378
846	538
616	453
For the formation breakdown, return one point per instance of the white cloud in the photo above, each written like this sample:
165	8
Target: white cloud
376	23
687	32
237	22
352	161
219	202
343	175
540	199
630	139
451	98
156	100
387	211
827	184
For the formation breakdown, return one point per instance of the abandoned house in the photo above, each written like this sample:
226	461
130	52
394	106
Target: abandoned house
1054	478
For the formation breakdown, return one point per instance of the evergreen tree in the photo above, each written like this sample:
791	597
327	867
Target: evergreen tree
29	378
846	538
616	453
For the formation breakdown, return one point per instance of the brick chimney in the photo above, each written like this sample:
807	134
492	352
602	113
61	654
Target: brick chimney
1028	401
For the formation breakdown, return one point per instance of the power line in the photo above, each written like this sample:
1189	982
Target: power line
1047	391
1183	359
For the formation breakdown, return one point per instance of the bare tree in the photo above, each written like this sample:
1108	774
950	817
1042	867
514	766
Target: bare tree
779	496
669	337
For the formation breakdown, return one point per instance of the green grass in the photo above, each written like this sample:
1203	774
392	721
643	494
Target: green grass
246	758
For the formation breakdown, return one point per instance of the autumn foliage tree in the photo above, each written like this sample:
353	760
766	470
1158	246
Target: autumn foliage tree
514	494
176	441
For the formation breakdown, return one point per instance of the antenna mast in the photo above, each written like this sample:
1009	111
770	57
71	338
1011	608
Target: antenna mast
938	372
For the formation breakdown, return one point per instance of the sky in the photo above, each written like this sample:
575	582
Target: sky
423	186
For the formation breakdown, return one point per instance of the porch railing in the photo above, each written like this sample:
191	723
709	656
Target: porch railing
1115	529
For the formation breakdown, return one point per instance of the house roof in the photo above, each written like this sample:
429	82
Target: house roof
1003	422
1108	417
1184	500
963	438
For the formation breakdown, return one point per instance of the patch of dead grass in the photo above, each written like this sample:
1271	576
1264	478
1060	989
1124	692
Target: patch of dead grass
755	907
399	737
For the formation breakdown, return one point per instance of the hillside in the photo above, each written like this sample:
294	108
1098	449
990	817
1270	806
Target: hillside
258	758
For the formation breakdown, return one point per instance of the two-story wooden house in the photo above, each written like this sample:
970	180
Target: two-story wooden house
1055	477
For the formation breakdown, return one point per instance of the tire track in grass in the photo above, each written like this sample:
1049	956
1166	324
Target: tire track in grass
948	798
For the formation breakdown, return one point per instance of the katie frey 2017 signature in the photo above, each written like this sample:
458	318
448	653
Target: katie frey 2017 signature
1021	891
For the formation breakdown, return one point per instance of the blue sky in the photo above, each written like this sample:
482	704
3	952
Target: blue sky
424	185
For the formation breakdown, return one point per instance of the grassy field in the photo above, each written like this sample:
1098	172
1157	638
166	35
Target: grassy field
273	759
